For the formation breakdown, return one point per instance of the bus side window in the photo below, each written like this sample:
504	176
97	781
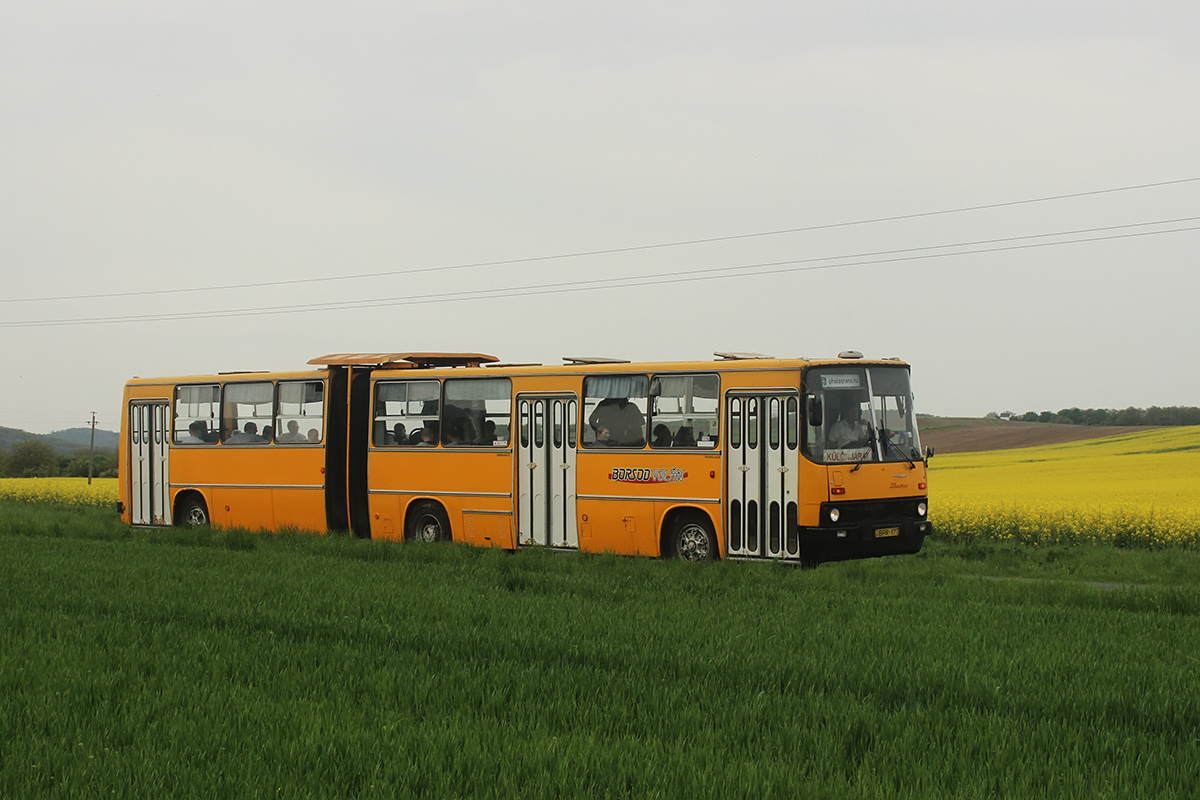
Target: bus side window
248	410
299	412
196	409
685	411
477	411
618	404
406	414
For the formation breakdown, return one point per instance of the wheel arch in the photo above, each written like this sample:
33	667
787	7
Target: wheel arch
675	513
415	504
183	496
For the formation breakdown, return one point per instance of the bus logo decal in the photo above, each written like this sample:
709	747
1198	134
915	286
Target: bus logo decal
641	475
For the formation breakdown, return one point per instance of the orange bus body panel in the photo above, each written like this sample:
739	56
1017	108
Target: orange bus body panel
470	483
259	487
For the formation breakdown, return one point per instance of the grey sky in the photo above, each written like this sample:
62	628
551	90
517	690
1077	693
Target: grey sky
150	146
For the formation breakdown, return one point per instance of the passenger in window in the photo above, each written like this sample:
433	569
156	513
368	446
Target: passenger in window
454	433
685	437
248	435
489	432
429	434
399	434
607	414
662	436
314	436
850	430
603	437
623	418
414	438
633	426
197	433
268	433
293	434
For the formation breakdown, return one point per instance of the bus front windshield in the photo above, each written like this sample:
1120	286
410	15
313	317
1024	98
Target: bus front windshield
860	415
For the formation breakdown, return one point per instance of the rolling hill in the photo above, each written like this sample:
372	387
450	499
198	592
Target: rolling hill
64	442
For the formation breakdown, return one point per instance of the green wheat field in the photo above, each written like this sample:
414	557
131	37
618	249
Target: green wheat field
226	664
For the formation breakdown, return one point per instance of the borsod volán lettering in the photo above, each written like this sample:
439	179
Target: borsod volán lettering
636	475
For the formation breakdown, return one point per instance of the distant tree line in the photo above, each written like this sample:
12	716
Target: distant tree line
1154	415
33	458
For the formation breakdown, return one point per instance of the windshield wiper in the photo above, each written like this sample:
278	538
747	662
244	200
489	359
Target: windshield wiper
861	461
887	442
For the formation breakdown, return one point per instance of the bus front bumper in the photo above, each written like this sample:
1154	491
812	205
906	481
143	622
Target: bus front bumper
838	543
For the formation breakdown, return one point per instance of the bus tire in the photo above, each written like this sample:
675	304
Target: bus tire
427	522
193	513
690	537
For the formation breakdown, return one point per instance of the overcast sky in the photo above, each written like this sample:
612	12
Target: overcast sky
160	159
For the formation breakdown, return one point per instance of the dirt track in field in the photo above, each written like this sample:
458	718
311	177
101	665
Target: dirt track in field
966	435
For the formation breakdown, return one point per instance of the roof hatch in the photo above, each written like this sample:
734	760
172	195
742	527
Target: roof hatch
403	360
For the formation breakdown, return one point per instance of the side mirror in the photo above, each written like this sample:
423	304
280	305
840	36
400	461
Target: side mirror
928	453
814	411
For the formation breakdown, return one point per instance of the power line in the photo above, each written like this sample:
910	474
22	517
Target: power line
587	253
682	276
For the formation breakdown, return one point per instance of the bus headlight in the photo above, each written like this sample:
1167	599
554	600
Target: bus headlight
834	515
921	508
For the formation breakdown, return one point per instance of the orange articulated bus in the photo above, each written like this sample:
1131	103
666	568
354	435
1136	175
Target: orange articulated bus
746	456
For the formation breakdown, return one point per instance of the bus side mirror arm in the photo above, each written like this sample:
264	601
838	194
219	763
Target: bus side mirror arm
928	453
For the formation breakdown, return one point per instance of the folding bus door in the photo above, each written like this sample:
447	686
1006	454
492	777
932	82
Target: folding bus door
149	457
761	475
546	491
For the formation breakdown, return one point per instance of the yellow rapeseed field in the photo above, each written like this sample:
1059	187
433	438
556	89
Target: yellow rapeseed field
65	491
1140	489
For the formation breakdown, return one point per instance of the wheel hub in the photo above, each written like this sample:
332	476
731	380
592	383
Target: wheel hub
693	543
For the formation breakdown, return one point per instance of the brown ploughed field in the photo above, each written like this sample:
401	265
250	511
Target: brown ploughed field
966	435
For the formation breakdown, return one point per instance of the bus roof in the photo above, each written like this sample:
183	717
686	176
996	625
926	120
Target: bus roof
403	360
443	364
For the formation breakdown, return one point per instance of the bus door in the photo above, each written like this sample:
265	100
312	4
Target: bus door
149	478
762	474
546	470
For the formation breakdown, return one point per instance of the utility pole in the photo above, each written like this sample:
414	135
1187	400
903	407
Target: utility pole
91	448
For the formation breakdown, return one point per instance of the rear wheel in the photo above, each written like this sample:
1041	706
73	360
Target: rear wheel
691	538
193	513
427	522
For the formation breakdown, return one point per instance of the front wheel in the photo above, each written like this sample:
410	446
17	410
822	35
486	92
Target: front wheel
192	512
691	538
427	522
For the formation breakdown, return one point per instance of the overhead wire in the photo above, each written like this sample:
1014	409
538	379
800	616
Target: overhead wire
588	253
655	279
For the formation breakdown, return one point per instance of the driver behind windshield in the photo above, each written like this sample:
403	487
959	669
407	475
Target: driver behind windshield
850	430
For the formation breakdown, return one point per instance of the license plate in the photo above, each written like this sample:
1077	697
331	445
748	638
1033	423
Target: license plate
882	533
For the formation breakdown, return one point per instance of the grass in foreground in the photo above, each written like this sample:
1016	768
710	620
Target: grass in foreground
223	663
